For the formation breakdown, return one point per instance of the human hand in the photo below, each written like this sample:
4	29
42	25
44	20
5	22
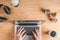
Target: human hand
36	35
21	34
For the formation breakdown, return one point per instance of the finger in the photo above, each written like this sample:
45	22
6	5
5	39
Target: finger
20	31
31	38
18	34
22	34
35	31
35	35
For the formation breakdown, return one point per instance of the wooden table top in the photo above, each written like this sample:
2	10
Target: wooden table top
30	10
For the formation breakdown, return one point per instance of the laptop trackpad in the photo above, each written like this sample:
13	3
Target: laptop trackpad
27	37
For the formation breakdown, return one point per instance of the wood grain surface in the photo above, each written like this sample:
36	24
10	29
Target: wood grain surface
30	10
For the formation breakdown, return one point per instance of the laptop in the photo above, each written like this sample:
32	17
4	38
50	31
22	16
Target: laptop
29	25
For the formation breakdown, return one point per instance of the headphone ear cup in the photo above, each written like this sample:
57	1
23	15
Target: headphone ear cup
7	9
2	19
1	5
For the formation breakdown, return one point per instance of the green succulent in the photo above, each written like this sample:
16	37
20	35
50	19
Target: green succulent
54	14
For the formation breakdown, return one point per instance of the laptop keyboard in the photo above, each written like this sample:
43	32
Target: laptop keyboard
28	25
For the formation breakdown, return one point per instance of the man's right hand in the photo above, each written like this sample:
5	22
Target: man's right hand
36	35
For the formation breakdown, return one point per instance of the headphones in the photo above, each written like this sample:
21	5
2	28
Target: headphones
6	9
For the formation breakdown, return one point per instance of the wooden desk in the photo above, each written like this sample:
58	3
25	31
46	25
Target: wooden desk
30	10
